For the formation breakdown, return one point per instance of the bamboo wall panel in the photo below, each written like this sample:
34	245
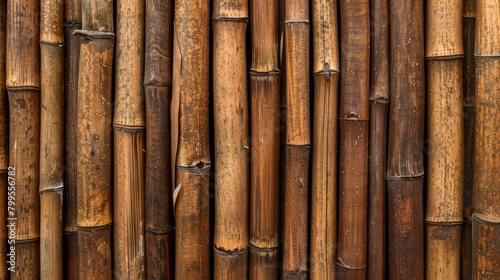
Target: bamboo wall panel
4	146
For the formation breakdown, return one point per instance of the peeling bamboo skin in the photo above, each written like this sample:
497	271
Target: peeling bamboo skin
263	263
230	265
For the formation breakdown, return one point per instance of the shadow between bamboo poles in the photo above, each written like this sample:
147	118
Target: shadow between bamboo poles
4	147
406	132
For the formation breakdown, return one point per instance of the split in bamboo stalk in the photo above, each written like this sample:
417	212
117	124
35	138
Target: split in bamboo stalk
324	155
405	172
190	143
444	213
486	217
354	135
4	148
158	210
23	85
231	139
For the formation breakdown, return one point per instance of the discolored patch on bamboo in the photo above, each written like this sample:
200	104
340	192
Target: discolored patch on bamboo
160	255
95	253
263	263
230	265
485	252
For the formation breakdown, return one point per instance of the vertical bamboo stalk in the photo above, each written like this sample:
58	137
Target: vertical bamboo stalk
4	148
23	85
379	105
405	172
444	213
190	153
229	21
354	136
324	155
51	138
158	189
486	217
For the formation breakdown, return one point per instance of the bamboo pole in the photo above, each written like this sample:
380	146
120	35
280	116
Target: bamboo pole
444	213
51	138
159	217
4	148
326	71
23	86
486	217
231	139
354	135
379	105
405	170
190	143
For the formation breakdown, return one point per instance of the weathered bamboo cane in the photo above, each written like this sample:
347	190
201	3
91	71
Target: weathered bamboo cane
94	168
51	138
4	149
231	139
354	135
190	143
23	85
298	140
265	142
324	154
486	217
405	172
159	216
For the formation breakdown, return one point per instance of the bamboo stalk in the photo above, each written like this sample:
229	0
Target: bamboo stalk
23	86
405	170
354	135
4	149
324	155
486	216
379	105
190	143
231	139
158	189
51	139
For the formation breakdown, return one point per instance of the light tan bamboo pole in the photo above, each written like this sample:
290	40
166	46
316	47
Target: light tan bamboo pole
444	213
51	138
231	112
190	139
23	85
4	148
486	217
158	210
324	154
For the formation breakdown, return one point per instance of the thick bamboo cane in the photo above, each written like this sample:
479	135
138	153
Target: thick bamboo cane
379	105
4	148
354	136
324	154
23	85
405	172
486	217
190	143
51	138
231	139
158	189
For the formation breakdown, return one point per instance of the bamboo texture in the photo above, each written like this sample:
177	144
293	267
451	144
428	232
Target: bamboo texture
326	71
159	217
4	147
190	139
486	216
265	76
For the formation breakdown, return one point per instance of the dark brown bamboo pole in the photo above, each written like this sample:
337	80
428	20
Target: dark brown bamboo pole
354	135
405	172
486	217
51	138
23	86
379	105
129	132
4	148
159	216
229	24
190	143
324	153
298	140
265	142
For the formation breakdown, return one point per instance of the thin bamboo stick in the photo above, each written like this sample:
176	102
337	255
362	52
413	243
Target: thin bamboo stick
486	217
4	148
444	213
405	170
354	136
324	155
231	139
23	85
190	143
51	138
158	189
